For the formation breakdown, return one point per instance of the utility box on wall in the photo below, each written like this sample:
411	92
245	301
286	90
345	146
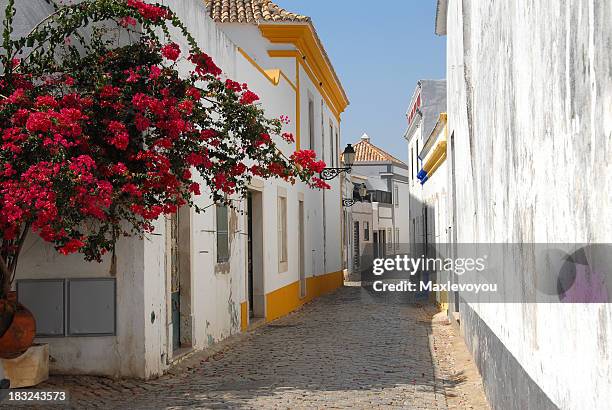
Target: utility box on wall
45	299
70	307
91	307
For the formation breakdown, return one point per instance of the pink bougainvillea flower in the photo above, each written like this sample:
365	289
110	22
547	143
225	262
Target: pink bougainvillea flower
194	188
204	64
148	11
155	72
38	122
248	97
319	183
71	246
233	85
171	51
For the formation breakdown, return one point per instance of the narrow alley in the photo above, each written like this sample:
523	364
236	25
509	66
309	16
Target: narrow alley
345	350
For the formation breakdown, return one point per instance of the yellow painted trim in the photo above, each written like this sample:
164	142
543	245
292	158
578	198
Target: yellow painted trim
284	53
435	167
438	151
300	63
445	125
439	124
313	59
273	75
294	86
257	66
438	156
286	299
244	316
304	38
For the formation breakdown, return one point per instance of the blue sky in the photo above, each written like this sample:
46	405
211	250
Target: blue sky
379	49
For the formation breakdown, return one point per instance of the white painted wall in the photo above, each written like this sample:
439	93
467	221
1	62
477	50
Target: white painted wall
321	256
385	177
533	160
433	103
401	213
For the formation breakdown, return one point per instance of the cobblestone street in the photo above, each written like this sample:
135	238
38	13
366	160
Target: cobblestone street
343	350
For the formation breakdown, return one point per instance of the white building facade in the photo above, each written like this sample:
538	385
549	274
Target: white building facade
200	278
432	231
380	222
530	125
427	103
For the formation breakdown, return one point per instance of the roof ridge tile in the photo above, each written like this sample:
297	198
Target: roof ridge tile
250	11
365	151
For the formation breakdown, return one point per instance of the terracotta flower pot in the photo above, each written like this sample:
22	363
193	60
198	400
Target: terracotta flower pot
20	333
7	312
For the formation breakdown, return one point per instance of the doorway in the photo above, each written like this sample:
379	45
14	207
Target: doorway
376	247
179	267
356	249
255	277
301	242
250	253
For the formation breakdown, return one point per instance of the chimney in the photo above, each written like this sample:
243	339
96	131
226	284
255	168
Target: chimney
365	137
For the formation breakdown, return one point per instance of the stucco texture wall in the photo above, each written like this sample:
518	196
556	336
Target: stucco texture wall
530	97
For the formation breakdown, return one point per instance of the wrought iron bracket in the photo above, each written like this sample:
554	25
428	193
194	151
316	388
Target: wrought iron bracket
331	173
348	202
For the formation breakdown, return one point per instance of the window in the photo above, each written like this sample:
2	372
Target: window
396	195
222	234
389	239
380	196
416	158
397	239
356	256
337	145
311	125
323	153
332	145
282	229
366	231
412	167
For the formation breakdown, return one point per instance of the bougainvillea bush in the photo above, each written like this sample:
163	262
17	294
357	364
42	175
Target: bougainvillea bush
98	140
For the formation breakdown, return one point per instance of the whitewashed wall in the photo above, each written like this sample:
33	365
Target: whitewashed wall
321	256
529	97
401	213
216	293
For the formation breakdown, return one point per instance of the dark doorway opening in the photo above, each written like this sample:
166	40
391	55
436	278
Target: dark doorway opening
255	251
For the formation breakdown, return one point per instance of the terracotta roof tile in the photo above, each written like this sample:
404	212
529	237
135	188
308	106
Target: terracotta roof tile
250	11
365	151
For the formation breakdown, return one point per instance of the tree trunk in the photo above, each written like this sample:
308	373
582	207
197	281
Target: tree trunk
6	278
8	261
